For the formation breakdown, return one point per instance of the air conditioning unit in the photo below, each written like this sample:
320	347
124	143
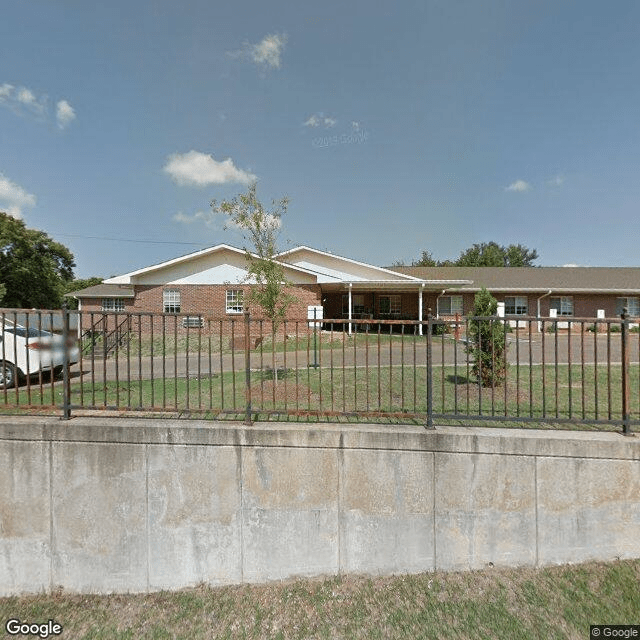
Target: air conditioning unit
193	322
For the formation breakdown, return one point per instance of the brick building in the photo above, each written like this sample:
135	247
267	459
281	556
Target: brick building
563	292
211	285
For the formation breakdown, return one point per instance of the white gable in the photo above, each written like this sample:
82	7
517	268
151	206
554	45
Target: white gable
219	265
331	268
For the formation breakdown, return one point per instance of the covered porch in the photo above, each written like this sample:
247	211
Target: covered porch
383	300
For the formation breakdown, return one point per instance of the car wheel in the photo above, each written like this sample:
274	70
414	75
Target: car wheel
8	374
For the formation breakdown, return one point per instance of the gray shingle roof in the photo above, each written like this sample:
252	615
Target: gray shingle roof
587	279
103	291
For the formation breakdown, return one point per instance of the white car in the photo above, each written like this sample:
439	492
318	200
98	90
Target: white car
28	352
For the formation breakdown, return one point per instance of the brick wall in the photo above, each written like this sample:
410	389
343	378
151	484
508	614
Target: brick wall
207	301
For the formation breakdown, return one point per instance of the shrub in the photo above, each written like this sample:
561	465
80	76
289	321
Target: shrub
440	329
487	341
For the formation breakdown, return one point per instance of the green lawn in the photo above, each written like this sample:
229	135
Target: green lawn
553	603
212	341
544	393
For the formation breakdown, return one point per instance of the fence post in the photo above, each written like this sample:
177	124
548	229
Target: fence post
247	368
429	424
626	418
66	378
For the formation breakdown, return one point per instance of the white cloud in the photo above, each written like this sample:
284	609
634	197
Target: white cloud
207	217
266	53
65	113
320	120
519	186
5	92
200	169
13	198
23	100
27	99
269	51
220	221
557	181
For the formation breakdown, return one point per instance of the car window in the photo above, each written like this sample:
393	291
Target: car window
23	332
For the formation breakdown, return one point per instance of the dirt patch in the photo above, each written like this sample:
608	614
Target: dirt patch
521	395
284	392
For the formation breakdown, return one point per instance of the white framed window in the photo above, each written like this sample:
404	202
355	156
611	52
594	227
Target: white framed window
516	305
235	300
632	305
562	304
390	305
449	305
113	304
171	300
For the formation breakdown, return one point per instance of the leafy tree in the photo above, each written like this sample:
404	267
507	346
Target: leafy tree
260	227
3	290
517	255
425	260
34	268
491	254
76	285
487	341
485	254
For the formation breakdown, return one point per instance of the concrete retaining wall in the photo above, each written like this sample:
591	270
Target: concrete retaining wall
116	505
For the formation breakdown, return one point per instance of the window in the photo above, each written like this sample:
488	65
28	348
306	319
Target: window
171	300
390	305
563	305
449	305
515	306
235	300
632	305
357	304
113	304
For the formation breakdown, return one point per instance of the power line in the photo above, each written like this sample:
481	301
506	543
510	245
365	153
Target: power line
69	235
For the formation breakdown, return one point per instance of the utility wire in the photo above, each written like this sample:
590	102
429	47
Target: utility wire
69	235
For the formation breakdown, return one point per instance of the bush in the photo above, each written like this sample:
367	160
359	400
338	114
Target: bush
487	341
440	329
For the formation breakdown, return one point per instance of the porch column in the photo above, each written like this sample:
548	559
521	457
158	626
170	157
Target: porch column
350	307
420	308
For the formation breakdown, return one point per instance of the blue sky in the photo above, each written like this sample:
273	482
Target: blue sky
392	127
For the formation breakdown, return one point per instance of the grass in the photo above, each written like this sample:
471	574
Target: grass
214	342
521	604
541	393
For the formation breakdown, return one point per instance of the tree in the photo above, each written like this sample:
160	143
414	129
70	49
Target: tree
517	255
485	254
34	268
260	228
3	290
487	341
491	254
425	260
76	285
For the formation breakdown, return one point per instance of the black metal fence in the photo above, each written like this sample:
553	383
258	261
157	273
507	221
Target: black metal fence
519	370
